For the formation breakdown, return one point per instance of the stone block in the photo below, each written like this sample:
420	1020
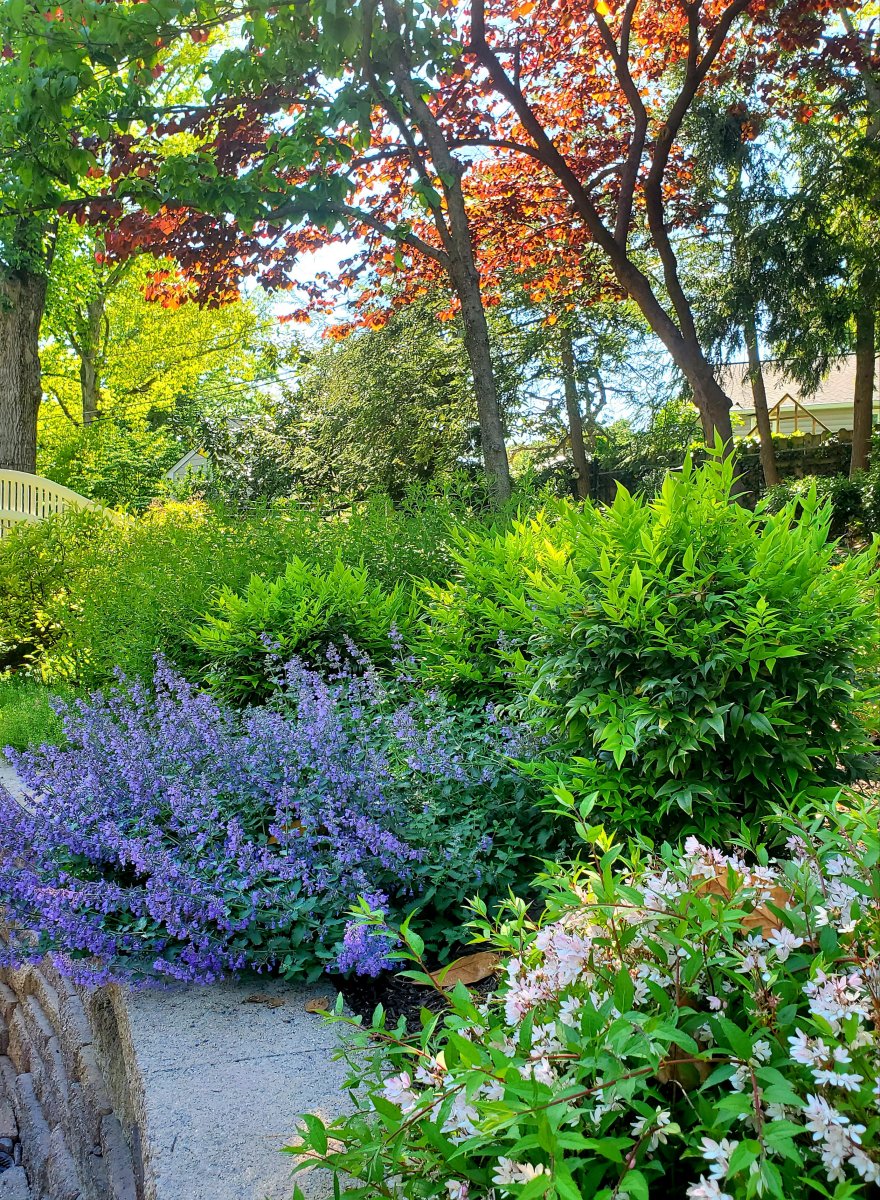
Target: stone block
117	1156
7	1077
14	1185
20	1050
39	1026
8	1001
61	1174
74	1031
4	1035
84	1120
50	1085
8	1124
48	997
87	1073
33	1131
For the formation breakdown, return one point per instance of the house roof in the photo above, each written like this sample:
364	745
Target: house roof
836	388
193	458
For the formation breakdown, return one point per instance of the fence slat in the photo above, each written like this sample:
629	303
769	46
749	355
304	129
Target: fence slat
26	497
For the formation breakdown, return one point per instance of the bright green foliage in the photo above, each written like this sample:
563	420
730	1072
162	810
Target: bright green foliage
43	573
26	714
157	370
663	1030
111	462
705	666
302	613
478	624
82	597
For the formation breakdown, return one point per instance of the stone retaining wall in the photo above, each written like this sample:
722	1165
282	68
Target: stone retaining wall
62	1092
188	1093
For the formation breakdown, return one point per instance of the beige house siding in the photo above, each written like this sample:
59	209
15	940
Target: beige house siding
829	409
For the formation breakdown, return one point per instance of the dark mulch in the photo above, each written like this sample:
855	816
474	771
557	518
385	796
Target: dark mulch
399	997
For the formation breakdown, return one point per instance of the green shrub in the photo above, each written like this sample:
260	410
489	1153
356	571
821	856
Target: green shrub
477	625
80	597
148	583
845	498
705	664
302	613
698	1025
44	566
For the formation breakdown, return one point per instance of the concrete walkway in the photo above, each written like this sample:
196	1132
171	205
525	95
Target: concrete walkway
10	781
225	1075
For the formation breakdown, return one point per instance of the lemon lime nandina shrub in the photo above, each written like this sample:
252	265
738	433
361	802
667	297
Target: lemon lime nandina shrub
478	624
685	660
697	661
700	1024
305	611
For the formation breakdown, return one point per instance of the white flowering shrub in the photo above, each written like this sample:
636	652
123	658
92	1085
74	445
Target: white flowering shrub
693	1024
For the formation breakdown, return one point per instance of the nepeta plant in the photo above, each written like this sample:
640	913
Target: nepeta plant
697	1025
175	836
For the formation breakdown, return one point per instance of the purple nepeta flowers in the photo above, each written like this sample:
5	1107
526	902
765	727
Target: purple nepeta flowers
174	836
367	948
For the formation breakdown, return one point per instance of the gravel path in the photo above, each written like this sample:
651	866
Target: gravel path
11	782
14	1185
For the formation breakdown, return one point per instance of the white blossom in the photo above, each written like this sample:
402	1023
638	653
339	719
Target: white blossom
507	1171
707	1189
865	1166
570	1010
461	1121
398	1089
808	1051
493	1090
828	1077
718	1155
839	1139
761	1052
659	1133
836	997
783	942
540	1070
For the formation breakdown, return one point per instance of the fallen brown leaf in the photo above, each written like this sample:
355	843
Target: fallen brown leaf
290	827
761	918
259	998
471	968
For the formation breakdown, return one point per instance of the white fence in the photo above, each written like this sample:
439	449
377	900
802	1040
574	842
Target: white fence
26	497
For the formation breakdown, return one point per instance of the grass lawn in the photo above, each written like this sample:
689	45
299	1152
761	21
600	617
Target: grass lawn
26	716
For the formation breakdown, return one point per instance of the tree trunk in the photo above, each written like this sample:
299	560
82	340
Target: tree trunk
712	401
863	394
90	383
476	340
454	229
573	411
22	298
759	396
